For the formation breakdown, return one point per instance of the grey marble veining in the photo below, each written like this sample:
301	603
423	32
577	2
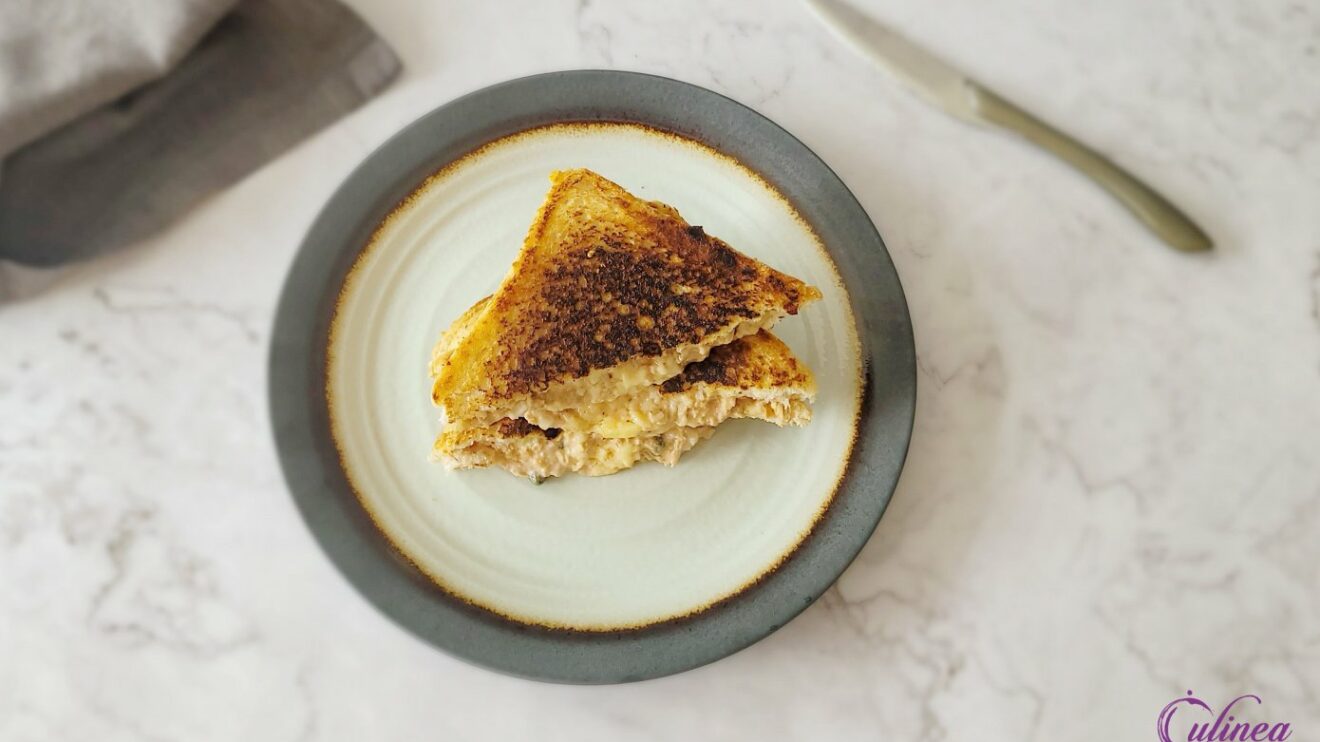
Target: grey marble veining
1113	493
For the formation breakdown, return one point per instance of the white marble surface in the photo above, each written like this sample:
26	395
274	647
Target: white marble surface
1113	493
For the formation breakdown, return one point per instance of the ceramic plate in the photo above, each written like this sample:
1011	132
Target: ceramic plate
635	575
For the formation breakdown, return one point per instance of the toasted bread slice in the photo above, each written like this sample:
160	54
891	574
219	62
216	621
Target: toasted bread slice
457	331
756	376
608	295
528	451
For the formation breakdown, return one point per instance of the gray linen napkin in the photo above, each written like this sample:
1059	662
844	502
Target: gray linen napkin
60	59
262	78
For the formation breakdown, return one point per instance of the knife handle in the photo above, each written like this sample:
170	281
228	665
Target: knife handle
1162	217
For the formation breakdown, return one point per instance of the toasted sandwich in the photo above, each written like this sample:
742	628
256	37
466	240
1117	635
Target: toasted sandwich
609	295
755	377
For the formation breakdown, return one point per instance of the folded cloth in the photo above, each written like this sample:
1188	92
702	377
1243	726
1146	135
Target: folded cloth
265	76
60	59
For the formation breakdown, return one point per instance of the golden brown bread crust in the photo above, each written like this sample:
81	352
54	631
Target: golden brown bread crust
454	334
604	279
759	361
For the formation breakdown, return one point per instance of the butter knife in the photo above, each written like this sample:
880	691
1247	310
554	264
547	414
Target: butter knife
946	88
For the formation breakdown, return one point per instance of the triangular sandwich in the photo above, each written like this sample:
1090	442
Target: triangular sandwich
610	294
755	377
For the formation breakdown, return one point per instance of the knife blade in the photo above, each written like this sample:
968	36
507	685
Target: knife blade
945	87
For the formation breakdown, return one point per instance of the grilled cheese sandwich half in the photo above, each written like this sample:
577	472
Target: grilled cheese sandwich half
755	377
610	294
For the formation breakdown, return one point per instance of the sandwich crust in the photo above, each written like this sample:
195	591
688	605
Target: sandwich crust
760	361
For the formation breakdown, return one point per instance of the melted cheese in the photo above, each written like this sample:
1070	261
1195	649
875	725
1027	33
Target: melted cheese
653	411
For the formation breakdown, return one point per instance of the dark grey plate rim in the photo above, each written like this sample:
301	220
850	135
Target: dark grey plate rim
398	589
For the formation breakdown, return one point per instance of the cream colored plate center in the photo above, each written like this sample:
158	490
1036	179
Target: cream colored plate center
630	549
